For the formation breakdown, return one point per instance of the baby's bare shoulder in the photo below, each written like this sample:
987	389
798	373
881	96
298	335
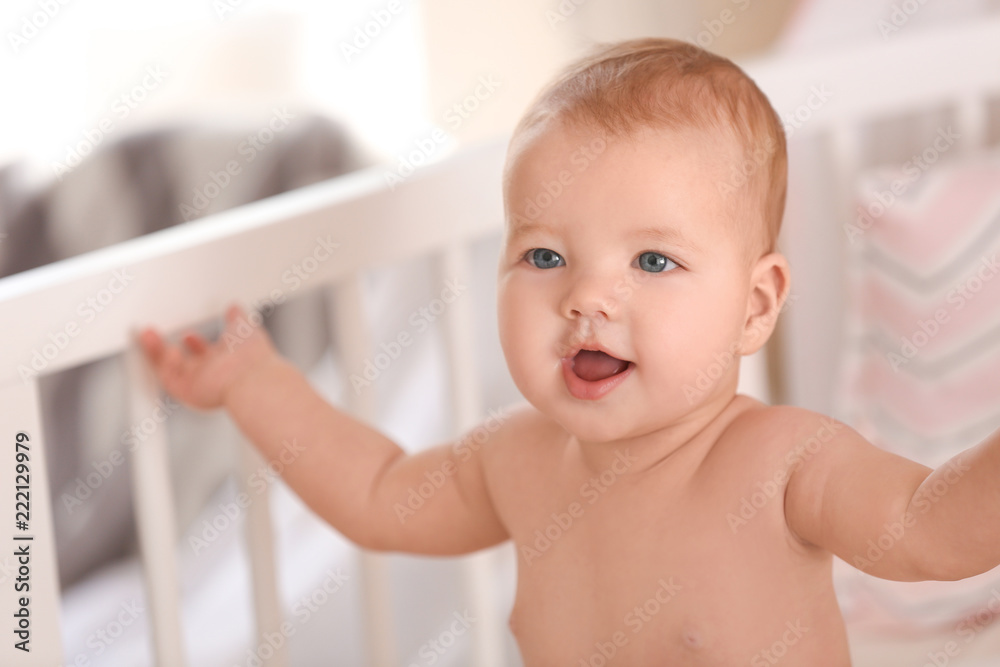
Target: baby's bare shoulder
779	430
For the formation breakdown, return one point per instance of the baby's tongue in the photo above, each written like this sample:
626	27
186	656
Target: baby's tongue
591	365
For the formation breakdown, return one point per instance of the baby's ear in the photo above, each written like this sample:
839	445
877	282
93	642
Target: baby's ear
770	281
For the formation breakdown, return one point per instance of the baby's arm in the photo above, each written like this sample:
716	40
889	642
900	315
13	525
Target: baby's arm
890	516
350	474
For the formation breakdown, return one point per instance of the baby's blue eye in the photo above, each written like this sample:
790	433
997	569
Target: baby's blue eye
543	258
654	262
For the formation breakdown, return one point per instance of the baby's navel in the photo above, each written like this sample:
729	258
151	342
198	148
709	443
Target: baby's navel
692	638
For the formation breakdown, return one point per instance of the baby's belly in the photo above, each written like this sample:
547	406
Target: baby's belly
707	598
677	620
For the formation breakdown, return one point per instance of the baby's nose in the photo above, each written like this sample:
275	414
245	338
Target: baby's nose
590	298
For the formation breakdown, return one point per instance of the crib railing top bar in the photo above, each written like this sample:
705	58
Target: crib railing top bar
61	316
180	237
233	222
912	68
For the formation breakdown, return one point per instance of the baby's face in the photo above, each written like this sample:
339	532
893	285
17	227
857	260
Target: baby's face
624	246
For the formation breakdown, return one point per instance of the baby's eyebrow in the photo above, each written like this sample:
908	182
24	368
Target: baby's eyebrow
519	229
667	235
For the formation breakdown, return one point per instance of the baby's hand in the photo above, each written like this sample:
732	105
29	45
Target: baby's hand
201	375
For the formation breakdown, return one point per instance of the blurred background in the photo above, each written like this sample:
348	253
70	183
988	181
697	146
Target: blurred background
125	118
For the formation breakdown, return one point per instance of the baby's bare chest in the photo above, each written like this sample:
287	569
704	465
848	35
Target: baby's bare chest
652	575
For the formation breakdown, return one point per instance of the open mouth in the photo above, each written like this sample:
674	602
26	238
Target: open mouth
590	374
594	365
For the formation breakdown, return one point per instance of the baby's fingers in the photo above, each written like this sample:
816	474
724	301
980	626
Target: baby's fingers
166	360
152	346
195	343
234	314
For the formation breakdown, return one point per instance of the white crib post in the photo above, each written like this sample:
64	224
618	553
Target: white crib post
19	413
845	153
155	522
260	547
972	122
355	343
844	143
479	569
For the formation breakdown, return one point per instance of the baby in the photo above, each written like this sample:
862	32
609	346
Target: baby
659	517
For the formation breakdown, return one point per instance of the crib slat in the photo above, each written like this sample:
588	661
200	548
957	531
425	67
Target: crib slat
354	341
20	413
845	157
845	153
155	522
478	570
972	122
260	547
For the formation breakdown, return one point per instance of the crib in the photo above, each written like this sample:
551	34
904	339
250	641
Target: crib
185	275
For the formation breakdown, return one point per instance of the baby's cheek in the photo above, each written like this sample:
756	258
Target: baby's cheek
683	350
517	340
507	318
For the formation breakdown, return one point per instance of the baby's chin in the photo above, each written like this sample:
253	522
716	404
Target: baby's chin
593	427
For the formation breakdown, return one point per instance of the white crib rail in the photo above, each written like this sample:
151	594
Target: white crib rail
185	275
917	69
836	92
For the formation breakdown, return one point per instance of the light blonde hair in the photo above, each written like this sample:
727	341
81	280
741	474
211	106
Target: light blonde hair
666	83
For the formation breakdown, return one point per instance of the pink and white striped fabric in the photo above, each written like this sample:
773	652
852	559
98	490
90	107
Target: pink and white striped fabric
922	362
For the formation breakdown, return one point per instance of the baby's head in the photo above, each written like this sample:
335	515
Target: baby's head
665	84
644	190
